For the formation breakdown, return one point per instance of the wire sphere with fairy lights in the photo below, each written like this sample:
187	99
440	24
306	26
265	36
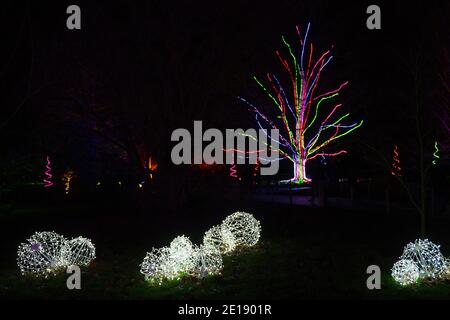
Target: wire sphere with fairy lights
155	266
183	258
221	238
207	262
445	273
244	227
79	251
180	254
427	256
405	272
42	253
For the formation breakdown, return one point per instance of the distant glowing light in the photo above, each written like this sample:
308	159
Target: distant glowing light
396	169
67	179
152	166
257	167
436	153
48	174
233	171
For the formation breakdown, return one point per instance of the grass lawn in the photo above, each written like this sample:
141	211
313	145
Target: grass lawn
303	253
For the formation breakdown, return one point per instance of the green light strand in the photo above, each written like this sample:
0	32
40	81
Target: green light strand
335	138
317	110
436	153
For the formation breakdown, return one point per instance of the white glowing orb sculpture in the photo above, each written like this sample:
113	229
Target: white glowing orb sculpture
180	254
427	256
244	227
179	259
79	251
41	254
154	267
405	272
445	273
207	262
221	238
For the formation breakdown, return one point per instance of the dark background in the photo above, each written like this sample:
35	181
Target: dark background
103	99
93	99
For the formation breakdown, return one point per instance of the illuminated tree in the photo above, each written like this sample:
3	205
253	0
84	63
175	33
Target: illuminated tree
306	125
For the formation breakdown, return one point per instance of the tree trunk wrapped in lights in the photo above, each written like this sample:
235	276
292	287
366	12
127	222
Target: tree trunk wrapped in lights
306	129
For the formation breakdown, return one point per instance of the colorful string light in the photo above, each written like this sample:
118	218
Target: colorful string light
152	166
233	171
302	136
67	179
435	154
257	167
48	176
396	169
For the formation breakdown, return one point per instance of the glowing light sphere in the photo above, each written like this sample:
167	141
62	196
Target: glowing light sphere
179	259
445	273
221	238
244	227
427	256
207	262
405	272
41	254
180	254
79	251
155	266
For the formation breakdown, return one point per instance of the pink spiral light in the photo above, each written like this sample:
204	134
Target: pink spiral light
48	176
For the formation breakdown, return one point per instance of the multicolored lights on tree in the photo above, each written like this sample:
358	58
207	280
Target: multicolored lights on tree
48	174
306	126
396	169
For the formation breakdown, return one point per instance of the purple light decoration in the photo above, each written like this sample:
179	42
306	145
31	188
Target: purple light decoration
35	247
